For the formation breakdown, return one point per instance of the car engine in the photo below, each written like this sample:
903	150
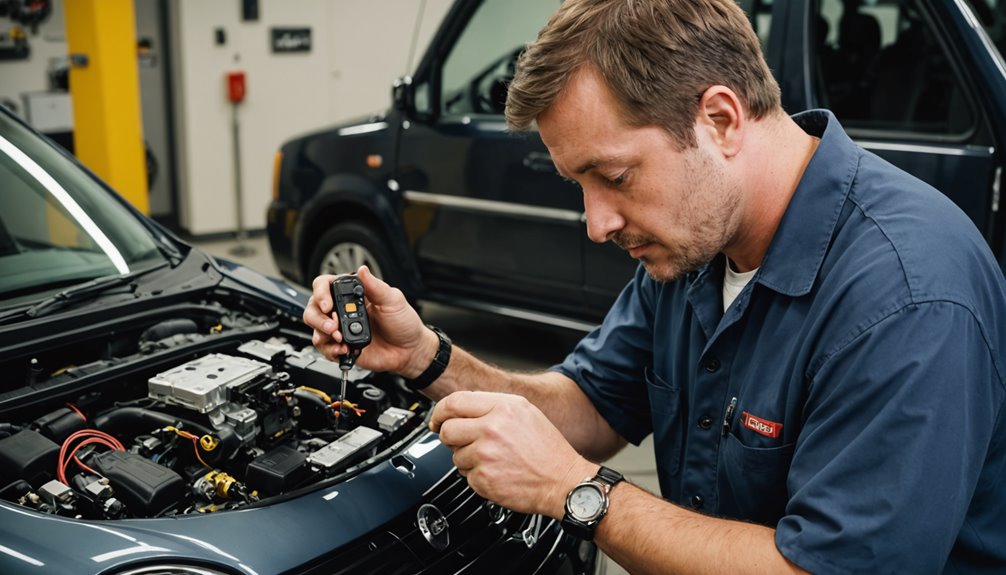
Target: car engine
204	411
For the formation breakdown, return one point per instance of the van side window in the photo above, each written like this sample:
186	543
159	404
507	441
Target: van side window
760	14
481	63
881	67
992	15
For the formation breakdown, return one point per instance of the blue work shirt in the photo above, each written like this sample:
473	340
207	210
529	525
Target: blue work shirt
866	359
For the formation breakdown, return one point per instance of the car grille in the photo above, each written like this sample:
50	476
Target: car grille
483	538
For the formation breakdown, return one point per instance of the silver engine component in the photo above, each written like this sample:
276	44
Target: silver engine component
201	384
355	441
393	418
205	385
300	358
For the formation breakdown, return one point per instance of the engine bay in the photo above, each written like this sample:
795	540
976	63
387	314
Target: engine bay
204	409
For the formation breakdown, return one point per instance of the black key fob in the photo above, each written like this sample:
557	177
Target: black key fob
347	293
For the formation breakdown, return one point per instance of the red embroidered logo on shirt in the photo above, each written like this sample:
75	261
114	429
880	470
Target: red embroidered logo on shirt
762	426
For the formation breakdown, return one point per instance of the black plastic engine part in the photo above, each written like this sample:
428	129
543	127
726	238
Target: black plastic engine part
169	328
311	372
147	489
60	424
134	421
279	470
28	455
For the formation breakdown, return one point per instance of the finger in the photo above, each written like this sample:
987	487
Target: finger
459	432
320	321
377	290
469	404
463	461
321	292
327	345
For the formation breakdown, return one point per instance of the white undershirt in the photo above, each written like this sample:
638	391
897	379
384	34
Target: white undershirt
733	284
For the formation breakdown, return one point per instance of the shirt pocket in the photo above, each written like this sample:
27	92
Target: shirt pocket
666	417
755	480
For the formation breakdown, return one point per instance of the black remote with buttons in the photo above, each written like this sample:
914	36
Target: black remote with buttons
347	294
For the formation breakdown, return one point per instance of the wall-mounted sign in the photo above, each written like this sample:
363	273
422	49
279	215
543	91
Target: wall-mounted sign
291	39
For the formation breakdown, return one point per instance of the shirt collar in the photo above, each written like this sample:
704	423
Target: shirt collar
800	243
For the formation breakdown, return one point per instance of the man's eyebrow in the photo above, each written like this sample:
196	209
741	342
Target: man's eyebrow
589	165
594	163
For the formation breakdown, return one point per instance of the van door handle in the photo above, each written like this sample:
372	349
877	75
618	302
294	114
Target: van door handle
539	162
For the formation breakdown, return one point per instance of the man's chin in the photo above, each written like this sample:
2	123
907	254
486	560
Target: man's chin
667	271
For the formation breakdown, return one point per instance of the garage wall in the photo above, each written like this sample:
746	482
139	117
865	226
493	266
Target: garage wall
19	77
359	47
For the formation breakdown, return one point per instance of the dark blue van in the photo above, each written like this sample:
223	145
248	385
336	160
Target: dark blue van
445	203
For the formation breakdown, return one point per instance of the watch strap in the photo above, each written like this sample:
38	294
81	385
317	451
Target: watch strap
437	366
609	476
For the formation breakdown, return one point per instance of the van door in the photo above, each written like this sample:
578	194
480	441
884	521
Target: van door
903	90
485	209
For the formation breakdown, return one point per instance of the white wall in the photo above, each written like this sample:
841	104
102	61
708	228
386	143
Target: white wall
359	48
18	77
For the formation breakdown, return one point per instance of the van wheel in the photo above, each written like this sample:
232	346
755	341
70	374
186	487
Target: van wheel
347	246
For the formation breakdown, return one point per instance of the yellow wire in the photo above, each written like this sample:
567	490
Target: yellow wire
319	392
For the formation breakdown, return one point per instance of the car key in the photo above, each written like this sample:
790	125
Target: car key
347	295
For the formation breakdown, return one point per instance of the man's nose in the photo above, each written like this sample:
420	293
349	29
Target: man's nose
602	218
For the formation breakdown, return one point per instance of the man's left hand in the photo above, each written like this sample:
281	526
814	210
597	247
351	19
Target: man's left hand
509	451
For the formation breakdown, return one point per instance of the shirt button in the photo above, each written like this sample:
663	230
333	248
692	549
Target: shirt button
705	422
698	502
712	365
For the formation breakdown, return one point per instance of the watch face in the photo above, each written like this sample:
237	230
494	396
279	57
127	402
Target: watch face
586	502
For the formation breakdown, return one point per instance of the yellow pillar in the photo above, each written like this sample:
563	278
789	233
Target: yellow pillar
107	125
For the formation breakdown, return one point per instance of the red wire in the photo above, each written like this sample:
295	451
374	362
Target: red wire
90	437
79	412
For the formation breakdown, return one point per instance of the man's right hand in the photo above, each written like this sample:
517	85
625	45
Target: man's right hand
400	342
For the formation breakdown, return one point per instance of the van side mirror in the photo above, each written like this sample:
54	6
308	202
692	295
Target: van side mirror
403	96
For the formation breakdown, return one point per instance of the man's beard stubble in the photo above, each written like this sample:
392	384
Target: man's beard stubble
710	214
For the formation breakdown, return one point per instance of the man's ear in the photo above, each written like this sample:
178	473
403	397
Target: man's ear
721	116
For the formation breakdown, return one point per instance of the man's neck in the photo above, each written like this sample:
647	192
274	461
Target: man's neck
778	155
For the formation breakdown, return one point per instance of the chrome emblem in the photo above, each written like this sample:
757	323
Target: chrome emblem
434	527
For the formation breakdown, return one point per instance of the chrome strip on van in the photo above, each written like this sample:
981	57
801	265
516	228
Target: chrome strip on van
517	313
362	129
494	207
921	149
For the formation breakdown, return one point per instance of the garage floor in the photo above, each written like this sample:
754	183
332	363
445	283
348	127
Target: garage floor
503	342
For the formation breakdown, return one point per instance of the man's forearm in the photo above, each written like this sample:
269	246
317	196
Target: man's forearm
646	534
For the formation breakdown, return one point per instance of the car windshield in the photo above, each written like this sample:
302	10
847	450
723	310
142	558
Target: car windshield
58	226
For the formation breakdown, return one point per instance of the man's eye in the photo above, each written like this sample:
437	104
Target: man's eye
616	181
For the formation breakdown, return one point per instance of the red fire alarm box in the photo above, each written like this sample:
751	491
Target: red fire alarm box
236	86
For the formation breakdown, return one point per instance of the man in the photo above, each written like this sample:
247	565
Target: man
814	338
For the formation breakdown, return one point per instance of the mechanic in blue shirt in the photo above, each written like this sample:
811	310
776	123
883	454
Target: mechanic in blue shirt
814	338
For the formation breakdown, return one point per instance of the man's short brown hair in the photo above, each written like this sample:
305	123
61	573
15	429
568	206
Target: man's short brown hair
657	57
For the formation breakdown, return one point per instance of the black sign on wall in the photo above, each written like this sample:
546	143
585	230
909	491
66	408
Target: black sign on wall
291	39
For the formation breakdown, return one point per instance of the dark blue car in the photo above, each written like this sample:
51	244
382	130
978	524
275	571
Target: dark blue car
445	203
163	412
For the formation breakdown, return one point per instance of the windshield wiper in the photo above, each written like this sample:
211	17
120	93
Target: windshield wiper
76	293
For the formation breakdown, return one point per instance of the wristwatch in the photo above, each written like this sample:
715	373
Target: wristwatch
587	503
437	366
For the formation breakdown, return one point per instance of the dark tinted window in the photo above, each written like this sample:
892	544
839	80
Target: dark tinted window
881	67
760	14
481	63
